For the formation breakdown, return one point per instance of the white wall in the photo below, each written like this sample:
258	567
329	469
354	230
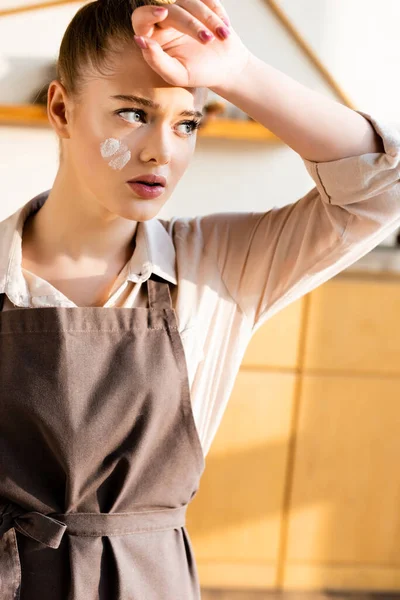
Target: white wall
356	39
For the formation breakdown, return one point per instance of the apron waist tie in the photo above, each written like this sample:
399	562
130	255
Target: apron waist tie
49	530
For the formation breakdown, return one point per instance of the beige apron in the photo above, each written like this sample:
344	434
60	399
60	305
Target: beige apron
99	453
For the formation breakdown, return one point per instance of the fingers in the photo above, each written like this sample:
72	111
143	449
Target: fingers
187	23
145	18
191	17
208	12
171	70
216	7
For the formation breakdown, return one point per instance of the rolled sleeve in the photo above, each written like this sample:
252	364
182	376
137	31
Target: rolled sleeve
349	180
268	260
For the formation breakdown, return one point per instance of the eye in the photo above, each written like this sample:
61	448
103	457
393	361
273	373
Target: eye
131	110
193	125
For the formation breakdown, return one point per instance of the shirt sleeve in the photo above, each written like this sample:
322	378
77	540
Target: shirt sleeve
269	259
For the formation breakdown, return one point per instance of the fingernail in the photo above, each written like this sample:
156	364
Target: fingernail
158	11
226	21
205	36
140	42
223	32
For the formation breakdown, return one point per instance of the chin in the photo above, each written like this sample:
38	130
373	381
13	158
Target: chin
149	210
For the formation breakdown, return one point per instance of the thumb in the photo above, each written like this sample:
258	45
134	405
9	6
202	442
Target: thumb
170	69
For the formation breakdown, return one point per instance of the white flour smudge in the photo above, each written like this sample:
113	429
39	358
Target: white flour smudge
112	147
119	162
109	147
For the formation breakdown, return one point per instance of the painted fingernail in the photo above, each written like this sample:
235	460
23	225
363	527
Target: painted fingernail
205	36
159	11
223	32
140	42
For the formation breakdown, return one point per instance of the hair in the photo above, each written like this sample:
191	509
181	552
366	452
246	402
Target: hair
96	33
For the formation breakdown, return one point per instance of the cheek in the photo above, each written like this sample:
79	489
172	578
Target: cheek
97	146
183	158
115	153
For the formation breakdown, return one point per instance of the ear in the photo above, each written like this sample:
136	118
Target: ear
59	110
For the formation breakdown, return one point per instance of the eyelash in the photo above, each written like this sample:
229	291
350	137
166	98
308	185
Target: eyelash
195	123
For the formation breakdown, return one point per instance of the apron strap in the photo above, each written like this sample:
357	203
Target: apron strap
2	297
158	293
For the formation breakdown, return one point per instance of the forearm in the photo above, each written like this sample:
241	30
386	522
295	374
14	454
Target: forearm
313	125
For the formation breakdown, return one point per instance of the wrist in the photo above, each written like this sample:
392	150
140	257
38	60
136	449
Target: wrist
235	82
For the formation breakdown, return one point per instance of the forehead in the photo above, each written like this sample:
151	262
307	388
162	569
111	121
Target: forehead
131	75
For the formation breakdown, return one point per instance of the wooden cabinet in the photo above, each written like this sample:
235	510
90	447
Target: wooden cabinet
343	521
354	326
302	487
235	518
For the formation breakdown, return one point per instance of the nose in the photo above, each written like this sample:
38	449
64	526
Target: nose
157	145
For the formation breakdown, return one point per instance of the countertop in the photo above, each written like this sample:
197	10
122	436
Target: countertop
383	262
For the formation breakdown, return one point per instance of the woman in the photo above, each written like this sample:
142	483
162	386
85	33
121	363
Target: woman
106	415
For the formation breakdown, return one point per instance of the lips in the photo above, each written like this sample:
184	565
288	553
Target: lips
150	180
146	190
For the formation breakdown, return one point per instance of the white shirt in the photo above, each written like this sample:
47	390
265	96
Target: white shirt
230	272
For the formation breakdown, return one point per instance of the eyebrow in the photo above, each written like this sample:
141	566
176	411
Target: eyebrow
150	104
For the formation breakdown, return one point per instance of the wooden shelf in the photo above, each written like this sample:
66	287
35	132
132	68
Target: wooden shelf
231	129
24	114
32	115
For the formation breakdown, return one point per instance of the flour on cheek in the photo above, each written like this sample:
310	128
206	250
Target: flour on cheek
112	147
120	161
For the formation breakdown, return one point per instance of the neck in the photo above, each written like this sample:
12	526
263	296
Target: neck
78	230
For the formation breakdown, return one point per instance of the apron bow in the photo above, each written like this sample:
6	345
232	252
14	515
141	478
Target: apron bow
40	527
49	531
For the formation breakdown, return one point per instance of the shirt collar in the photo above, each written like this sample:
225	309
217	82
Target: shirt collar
154	250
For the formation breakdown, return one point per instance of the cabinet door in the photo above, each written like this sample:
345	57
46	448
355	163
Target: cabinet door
276	343
234	520
344	523
354	325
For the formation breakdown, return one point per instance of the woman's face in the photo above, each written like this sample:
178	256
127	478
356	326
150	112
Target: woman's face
113	140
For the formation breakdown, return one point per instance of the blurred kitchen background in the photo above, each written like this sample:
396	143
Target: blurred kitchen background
301	492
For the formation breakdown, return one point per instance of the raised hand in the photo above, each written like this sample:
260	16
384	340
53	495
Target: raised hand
185	43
